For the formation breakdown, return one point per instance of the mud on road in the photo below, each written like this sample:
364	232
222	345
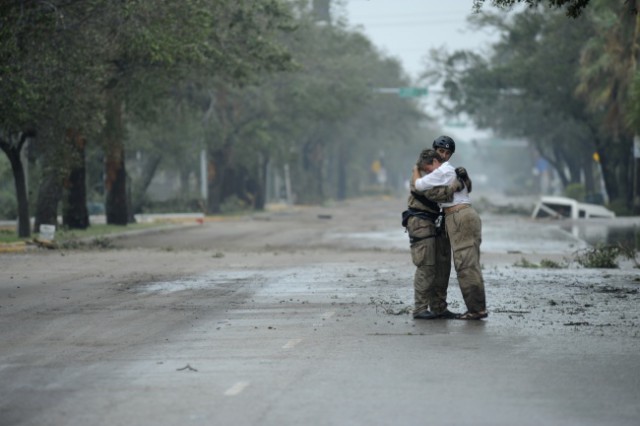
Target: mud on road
600	301
303	315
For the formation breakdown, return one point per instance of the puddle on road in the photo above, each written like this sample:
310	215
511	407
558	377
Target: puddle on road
599	233
320	279
199	282
517	234
497	237
528	238
393	239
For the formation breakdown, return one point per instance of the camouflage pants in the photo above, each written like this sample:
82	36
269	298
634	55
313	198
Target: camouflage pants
464	229
432	258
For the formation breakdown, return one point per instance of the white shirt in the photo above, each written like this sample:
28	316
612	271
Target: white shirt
443	175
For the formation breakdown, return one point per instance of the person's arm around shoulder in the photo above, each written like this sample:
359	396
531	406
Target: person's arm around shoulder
444	193
437	177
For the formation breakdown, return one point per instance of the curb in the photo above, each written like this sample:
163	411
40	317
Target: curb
19	247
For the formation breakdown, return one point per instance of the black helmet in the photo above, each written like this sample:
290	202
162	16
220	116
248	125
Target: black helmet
444	142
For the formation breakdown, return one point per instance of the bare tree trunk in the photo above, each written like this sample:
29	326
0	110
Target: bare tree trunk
116	187
260	192
148	172
75	214
13	154
50	190
342	172
115	171
311	185
217	173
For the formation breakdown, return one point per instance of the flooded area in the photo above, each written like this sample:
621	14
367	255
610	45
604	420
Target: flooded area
621	230
500	234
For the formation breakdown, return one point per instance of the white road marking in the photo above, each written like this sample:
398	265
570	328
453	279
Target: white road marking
236	389
291	343
325	317
5	366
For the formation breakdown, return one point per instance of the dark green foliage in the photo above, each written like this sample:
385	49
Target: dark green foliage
563	86
599	256
573	8
257	84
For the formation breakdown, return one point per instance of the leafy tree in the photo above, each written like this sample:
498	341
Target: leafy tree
323	122
386	129
343	124
229	39
574	8
267	121
68	65
527	89
606	78
44	83
332	89
172	142
608	83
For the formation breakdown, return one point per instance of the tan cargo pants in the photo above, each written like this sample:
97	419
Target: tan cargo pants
432	258
464	229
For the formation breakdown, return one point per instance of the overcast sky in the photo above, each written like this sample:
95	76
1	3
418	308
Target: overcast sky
408	29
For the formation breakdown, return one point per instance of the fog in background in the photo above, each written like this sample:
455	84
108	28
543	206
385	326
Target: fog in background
408	30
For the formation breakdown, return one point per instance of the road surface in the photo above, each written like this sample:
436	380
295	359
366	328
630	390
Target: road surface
302	317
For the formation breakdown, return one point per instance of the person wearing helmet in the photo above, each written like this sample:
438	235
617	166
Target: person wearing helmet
445	146
462	226
430	248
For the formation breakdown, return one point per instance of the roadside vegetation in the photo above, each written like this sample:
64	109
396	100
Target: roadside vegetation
544	263
604	256
62	236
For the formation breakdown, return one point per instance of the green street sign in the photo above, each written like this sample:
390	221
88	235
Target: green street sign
412	92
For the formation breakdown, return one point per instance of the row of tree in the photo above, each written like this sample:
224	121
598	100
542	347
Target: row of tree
570	87
253	83
260	85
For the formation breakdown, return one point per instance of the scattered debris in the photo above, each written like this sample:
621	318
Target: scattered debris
388	309
544	263
509	311
48	244
577	323
186	367
616	290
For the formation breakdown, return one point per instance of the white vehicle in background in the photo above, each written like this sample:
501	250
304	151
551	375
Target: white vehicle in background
568	208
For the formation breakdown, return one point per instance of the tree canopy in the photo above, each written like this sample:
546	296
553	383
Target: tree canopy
563	86
257	89
573	8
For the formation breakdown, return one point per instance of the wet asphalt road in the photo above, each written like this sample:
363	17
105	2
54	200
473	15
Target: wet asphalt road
317	335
